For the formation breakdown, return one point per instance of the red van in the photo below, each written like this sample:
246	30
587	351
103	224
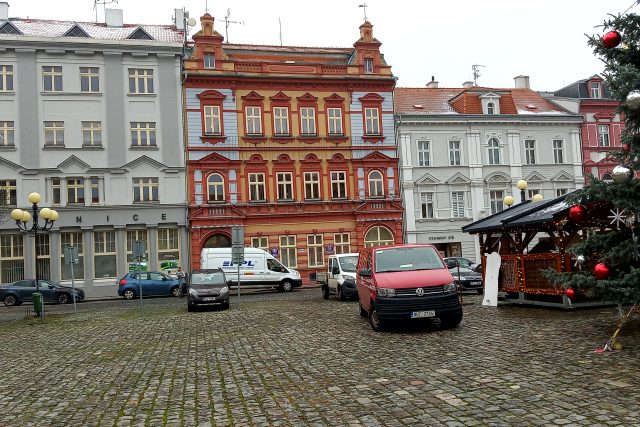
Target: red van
406	282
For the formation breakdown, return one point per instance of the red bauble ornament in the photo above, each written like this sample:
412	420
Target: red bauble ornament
570	293
626	147
601	271
578	213
611	39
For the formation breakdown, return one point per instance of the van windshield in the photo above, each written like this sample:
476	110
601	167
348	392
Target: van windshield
407	259
348	263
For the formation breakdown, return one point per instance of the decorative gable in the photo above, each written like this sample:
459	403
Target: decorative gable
458	178
6	163
253	96
9	28
215	158
371	97
76	31
497	178
311	158
280	97
140	34
535	176
73	164
376	156
307	98
283	159
427	179
563	176
334	98
490	103
210	95
145	160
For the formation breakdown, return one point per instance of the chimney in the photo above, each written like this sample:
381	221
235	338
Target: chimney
467	84
433	83
4	11
179	17
522	82
113	17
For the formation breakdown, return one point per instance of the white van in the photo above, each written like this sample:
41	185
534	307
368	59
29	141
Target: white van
259	269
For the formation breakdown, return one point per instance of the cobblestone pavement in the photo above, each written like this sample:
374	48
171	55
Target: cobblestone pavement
295	359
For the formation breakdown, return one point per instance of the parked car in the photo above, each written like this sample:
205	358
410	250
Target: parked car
153	283
467	279
21	291
207	287
454	261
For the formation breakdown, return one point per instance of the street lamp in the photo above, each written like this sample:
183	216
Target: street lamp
522	185
508	200
23	217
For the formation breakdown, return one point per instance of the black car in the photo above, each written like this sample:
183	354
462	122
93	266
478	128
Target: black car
467	279
21	291
207	287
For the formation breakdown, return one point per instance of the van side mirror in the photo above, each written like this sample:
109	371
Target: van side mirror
335	270
365	272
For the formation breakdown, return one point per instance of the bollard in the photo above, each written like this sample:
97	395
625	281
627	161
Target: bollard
37	303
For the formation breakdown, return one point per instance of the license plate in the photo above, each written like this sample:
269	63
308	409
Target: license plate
209	299
420	314
476	283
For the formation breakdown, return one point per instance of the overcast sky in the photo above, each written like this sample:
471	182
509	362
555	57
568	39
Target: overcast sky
544	39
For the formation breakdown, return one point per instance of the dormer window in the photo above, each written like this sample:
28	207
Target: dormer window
209	60
490	103
368	66
596	90
491	108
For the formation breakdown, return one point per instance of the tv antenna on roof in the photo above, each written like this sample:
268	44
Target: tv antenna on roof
226	25
476	73
104	4
364	7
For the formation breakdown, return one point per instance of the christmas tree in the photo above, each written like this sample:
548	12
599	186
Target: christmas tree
616	277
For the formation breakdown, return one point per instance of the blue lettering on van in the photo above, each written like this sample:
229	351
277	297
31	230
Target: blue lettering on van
245	263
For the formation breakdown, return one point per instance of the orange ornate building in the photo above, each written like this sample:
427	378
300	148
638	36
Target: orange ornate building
295	144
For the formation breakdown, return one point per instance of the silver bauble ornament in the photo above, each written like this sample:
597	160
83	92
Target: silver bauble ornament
622	174
581	260
633	99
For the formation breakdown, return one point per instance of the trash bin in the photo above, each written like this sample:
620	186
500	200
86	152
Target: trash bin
37	303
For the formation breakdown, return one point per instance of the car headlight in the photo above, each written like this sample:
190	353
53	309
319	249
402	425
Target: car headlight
386	292
224	290
193	292
449	287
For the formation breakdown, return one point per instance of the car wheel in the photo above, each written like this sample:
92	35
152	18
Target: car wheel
340	294
452	321
225	306
374	320
325	292
480	291
129	294
191	308
64	298
175	291
10	300
286	286
362	311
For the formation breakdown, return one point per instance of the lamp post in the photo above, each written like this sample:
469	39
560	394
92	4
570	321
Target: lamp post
508	200
23	217
522	185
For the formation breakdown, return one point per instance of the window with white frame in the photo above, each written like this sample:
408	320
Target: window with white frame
493	151
457	204
8	192
140	81
496	200
75	191
368	65
530	151
55	191
11	258
312	185
491	108
334	120
603	136
43	255
281	120
338	185
288	256
596	90
254	120
104	254
308	121
6	78
424	154
146	189
378	236
72	239
376	184
558	151
284	184
143	134
209	60
257	191
134	236
454	153
532	192
426	206
92	134
260	242
94	183
212	122
215	188
315	250
561	191
51	79
89	79
341	243
372	121
7	131
168	248
54	134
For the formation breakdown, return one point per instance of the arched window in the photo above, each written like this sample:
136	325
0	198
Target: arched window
376	187
494	151
215	186
491	108
378	236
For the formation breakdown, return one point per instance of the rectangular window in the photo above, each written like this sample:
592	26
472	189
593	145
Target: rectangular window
212	123
423	153
312	185
561	191
95	190
55	191
308	121
372	121
89	79
457	204
11	258
168	249
145	190
532	192
140	81
54	134
558	151
454	153
342	243
368	65
603	136
334	120
75	191
338	185
104	254
530	151
7	133
493	152
495	199
261	242
92	134
284	181
426	205
75	240
315	250
209	60
281	121
6	78
8	193
254	120
257	191
143	134
43	256
288	251
595	90
51	79
134	236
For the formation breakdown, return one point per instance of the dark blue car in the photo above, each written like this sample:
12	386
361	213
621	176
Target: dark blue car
153	283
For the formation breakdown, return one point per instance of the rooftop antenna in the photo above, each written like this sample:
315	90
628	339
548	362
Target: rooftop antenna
206	6
104	4
364	7
280	25
476	73
226	24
